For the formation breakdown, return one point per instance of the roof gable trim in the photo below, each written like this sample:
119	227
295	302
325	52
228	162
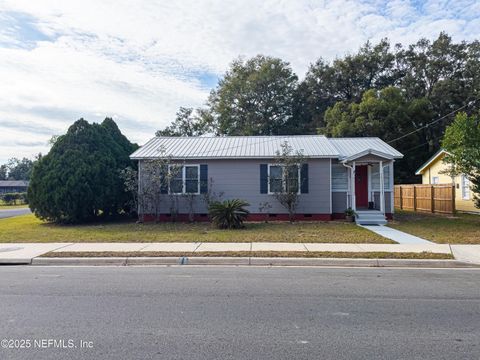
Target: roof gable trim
368	152
430	161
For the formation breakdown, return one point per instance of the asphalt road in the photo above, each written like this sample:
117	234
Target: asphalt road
240	313
13	212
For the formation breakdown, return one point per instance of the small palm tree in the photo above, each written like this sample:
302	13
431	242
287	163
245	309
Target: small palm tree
228	214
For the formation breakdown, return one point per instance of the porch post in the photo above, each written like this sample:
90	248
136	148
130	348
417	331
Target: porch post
382	189
353	197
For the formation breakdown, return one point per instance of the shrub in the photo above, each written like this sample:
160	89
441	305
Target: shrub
9	198
228	214
79	179
14	198
23	197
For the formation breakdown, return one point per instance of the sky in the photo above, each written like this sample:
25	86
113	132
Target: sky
139	61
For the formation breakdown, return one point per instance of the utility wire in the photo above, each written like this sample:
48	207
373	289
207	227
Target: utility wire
434	122
417	146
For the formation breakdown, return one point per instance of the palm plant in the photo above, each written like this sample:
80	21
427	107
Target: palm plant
228	214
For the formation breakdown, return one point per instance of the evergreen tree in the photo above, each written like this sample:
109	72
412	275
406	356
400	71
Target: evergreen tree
79	179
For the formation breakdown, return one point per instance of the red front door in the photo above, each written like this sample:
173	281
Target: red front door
361	186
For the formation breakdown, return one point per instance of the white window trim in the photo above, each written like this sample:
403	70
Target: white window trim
347	189
184	180
283	180
437	180
465	189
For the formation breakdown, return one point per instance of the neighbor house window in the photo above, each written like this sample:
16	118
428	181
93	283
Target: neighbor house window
435	180
375	177
283	180
465	188
339	178
185	179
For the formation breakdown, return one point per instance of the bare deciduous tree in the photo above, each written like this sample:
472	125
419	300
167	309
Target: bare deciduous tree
286	186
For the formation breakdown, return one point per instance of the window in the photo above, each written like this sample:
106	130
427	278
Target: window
283	180
185	179
375	177
465	188
435	180
276	181
191	179
339	178
176	179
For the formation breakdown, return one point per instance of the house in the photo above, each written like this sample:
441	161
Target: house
338	174
13	186
432	173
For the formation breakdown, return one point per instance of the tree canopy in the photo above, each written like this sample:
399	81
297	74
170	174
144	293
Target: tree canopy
16	169
386	114
79	179
255	97
462	141
380	89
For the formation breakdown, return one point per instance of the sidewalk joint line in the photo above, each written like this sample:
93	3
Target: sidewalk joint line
250	254
144	247
199	244
61	247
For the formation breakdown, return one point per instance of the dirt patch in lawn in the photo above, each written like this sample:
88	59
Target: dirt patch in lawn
289	254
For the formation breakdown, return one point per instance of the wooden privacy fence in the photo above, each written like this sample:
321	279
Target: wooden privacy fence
438	198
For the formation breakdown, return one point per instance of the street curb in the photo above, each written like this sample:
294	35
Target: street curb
99	261
15	261
243	261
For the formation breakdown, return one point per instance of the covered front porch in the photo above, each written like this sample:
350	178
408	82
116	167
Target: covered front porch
370	185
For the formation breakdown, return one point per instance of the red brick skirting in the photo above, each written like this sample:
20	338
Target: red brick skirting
255	217
251	217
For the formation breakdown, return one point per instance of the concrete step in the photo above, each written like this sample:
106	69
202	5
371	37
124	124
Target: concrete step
370	218
371	222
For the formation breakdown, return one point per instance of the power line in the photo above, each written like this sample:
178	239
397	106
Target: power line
433	122
417	146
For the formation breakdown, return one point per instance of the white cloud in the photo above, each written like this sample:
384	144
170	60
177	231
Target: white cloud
139	61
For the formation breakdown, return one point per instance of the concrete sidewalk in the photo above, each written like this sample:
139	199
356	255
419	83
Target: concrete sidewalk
396	235
19	253
25	252
467	253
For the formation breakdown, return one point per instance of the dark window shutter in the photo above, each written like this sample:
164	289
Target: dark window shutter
203	179
163	185
263	178
304	179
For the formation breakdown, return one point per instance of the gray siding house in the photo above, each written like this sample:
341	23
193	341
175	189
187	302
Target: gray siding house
13	186
338	174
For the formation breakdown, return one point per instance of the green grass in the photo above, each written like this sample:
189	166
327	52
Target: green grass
444	229
28	228
4	206
290	254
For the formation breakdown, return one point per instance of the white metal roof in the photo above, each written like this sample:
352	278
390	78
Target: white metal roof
360	146
220	147
249	147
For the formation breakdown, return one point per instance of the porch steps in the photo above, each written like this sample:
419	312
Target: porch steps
370	217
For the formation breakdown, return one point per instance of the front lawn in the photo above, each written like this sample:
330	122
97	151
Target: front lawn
445	229
6	207
28	228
